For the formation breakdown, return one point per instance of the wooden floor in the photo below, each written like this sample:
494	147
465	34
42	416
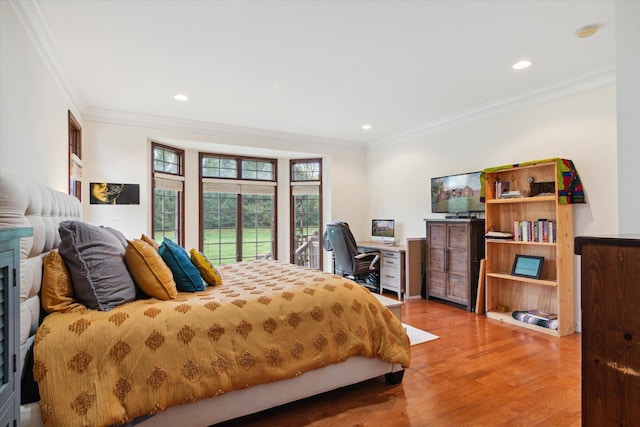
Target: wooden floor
480	372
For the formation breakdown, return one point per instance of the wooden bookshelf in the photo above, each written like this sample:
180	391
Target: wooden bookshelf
553	292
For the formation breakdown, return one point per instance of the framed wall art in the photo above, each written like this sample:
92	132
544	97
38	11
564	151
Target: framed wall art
104	193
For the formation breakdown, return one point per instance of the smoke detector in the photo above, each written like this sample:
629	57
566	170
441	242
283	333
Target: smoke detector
588	31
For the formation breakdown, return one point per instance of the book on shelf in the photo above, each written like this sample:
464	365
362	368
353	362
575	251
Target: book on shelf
523	230
541	230
526	231
510	194
517	235
501	187
542	315
542	225
499	235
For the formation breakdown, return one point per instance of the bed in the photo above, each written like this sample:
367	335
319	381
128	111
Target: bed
269	334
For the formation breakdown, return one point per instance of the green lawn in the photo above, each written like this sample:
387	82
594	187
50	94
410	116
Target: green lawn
220	245
459	204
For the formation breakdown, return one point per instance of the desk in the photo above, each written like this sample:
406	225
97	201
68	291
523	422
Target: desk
392	265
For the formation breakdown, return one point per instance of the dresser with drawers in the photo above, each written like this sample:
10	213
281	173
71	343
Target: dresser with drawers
392	271
392	265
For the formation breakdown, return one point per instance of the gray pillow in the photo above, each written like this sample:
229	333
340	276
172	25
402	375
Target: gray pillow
118	235
95	259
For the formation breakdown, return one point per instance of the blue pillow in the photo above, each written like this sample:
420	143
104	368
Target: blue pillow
185	274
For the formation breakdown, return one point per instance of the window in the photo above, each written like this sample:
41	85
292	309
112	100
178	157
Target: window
167	160
219	167
75	156
306	212
168	194
231	167
306	170
238	207
258	170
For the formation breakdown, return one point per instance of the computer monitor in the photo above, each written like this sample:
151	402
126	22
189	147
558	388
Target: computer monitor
383	230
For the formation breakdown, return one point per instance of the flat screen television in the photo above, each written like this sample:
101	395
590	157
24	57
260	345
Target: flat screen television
456	194
383	229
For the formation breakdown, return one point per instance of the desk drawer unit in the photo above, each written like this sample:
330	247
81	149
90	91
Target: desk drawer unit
391	271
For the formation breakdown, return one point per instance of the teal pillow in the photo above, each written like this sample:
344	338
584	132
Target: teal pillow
185	274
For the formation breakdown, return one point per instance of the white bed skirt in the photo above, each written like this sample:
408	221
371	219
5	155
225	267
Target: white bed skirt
239	403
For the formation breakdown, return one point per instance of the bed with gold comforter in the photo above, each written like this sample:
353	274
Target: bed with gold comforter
267	322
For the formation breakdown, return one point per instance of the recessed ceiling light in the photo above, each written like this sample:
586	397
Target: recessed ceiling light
588	31
181	97
521	65
366	127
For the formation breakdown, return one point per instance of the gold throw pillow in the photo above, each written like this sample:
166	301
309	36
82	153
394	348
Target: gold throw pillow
206	268
149	271
155	245
57	290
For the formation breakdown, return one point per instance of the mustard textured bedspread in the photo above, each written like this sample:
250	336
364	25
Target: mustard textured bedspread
268	321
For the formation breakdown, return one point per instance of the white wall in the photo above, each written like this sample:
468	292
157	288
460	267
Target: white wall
628	83
34	144
581	128
33	109
122	154
120	157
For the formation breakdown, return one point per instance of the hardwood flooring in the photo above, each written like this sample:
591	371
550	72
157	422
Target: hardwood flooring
480	372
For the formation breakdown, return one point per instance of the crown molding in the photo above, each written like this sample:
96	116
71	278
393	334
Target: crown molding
521	101
31	17
215	130
36	27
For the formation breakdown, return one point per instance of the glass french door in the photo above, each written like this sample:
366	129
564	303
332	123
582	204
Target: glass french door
306	229
238	226
306	212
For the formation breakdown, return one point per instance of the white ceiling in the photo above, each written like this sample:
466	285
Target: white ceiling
320	68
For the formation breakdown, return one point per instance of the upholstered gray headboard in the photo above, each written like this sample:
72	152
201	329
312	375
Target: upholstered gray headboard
24	203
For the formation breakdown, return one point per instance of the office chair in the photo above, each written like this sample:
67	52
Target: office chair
363	268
